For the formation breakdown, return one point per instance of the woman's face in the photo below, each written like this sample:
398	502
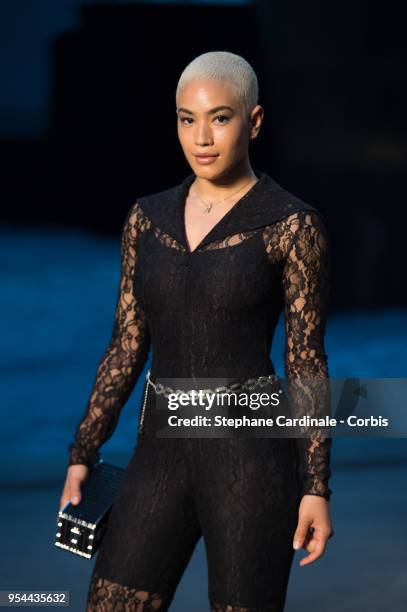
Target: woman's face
212	121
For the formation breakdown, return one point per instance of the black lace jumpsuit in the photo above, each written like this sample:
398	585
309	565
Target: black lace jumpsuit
206	313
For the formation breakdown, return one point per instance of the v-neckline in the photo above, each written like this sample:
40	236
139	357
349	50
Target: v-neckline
186	185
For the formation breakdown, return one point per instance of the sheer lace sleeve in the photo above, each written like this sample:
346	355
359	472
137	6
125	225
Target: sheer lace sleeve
306	283
299	245
124	358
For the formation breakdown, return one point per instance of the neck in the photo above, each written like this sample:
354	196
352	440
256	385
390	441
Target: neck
220	186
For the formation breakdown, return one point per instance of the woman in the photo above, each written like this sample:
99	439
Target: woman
207	266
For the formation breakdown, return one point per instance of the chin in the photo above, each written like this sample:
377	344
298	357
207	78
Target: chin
207	172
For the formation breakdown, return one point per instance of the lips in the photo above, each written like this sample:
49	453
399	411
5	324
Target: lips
205	159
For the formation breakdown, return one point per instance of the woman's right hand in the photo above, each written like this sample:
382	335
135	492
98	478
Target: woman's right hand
76	475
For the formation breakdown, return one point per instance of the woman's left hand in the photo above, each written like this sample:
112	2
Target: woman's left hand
314	515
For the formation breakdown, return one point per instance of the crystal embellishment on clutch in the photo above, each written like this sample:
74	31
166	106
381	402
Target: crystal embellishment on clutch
81	527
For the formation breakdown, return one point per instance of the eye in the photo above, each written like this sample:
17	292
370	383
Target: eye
222	117
182	119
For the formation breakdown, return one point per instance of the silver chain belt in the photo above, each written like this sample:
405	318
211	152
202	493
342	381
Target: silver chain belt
249	384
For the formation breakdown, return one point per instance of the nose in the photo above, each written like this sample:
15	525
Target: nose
203	134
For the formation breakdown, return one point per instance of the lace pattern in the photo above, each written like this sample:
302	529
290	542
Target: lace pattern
211	315
218	607
124	358
171	497
107	596
296	248
301	242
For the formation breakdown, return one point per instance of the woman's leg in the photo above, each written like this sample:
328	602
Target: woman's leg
151	534
247	503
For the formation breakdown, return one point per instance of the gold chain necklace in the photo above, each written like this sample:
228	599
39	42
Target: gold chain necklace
209	205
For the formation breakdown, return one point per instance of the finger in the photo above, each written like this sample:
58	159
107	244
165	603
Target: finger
64	496
317	548
75	492
313	556
300	535
323	534
62	503
310	545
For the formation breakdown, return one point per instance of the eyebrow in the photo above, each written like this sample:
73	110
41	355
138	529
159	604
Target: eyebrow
209	112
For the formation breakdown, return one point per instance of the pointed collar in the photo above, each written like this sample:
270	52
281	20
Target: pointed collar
263	204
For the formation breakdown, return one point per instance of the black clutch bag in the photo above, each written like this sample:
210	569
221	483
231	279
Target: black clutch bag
81	527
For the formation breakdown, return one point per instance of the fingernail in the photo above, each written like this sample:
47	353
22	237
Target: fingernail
75	499
296	545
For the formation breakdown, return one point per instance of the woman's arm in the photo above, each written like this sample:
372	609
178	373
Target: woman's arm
124	358
306	281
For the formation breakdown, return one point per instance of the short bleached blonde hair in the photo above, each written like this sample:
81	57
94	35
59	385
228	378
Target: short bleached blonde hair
225	66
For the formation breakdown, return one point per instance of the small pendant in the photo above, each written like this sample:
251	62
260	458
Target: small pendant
208	207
